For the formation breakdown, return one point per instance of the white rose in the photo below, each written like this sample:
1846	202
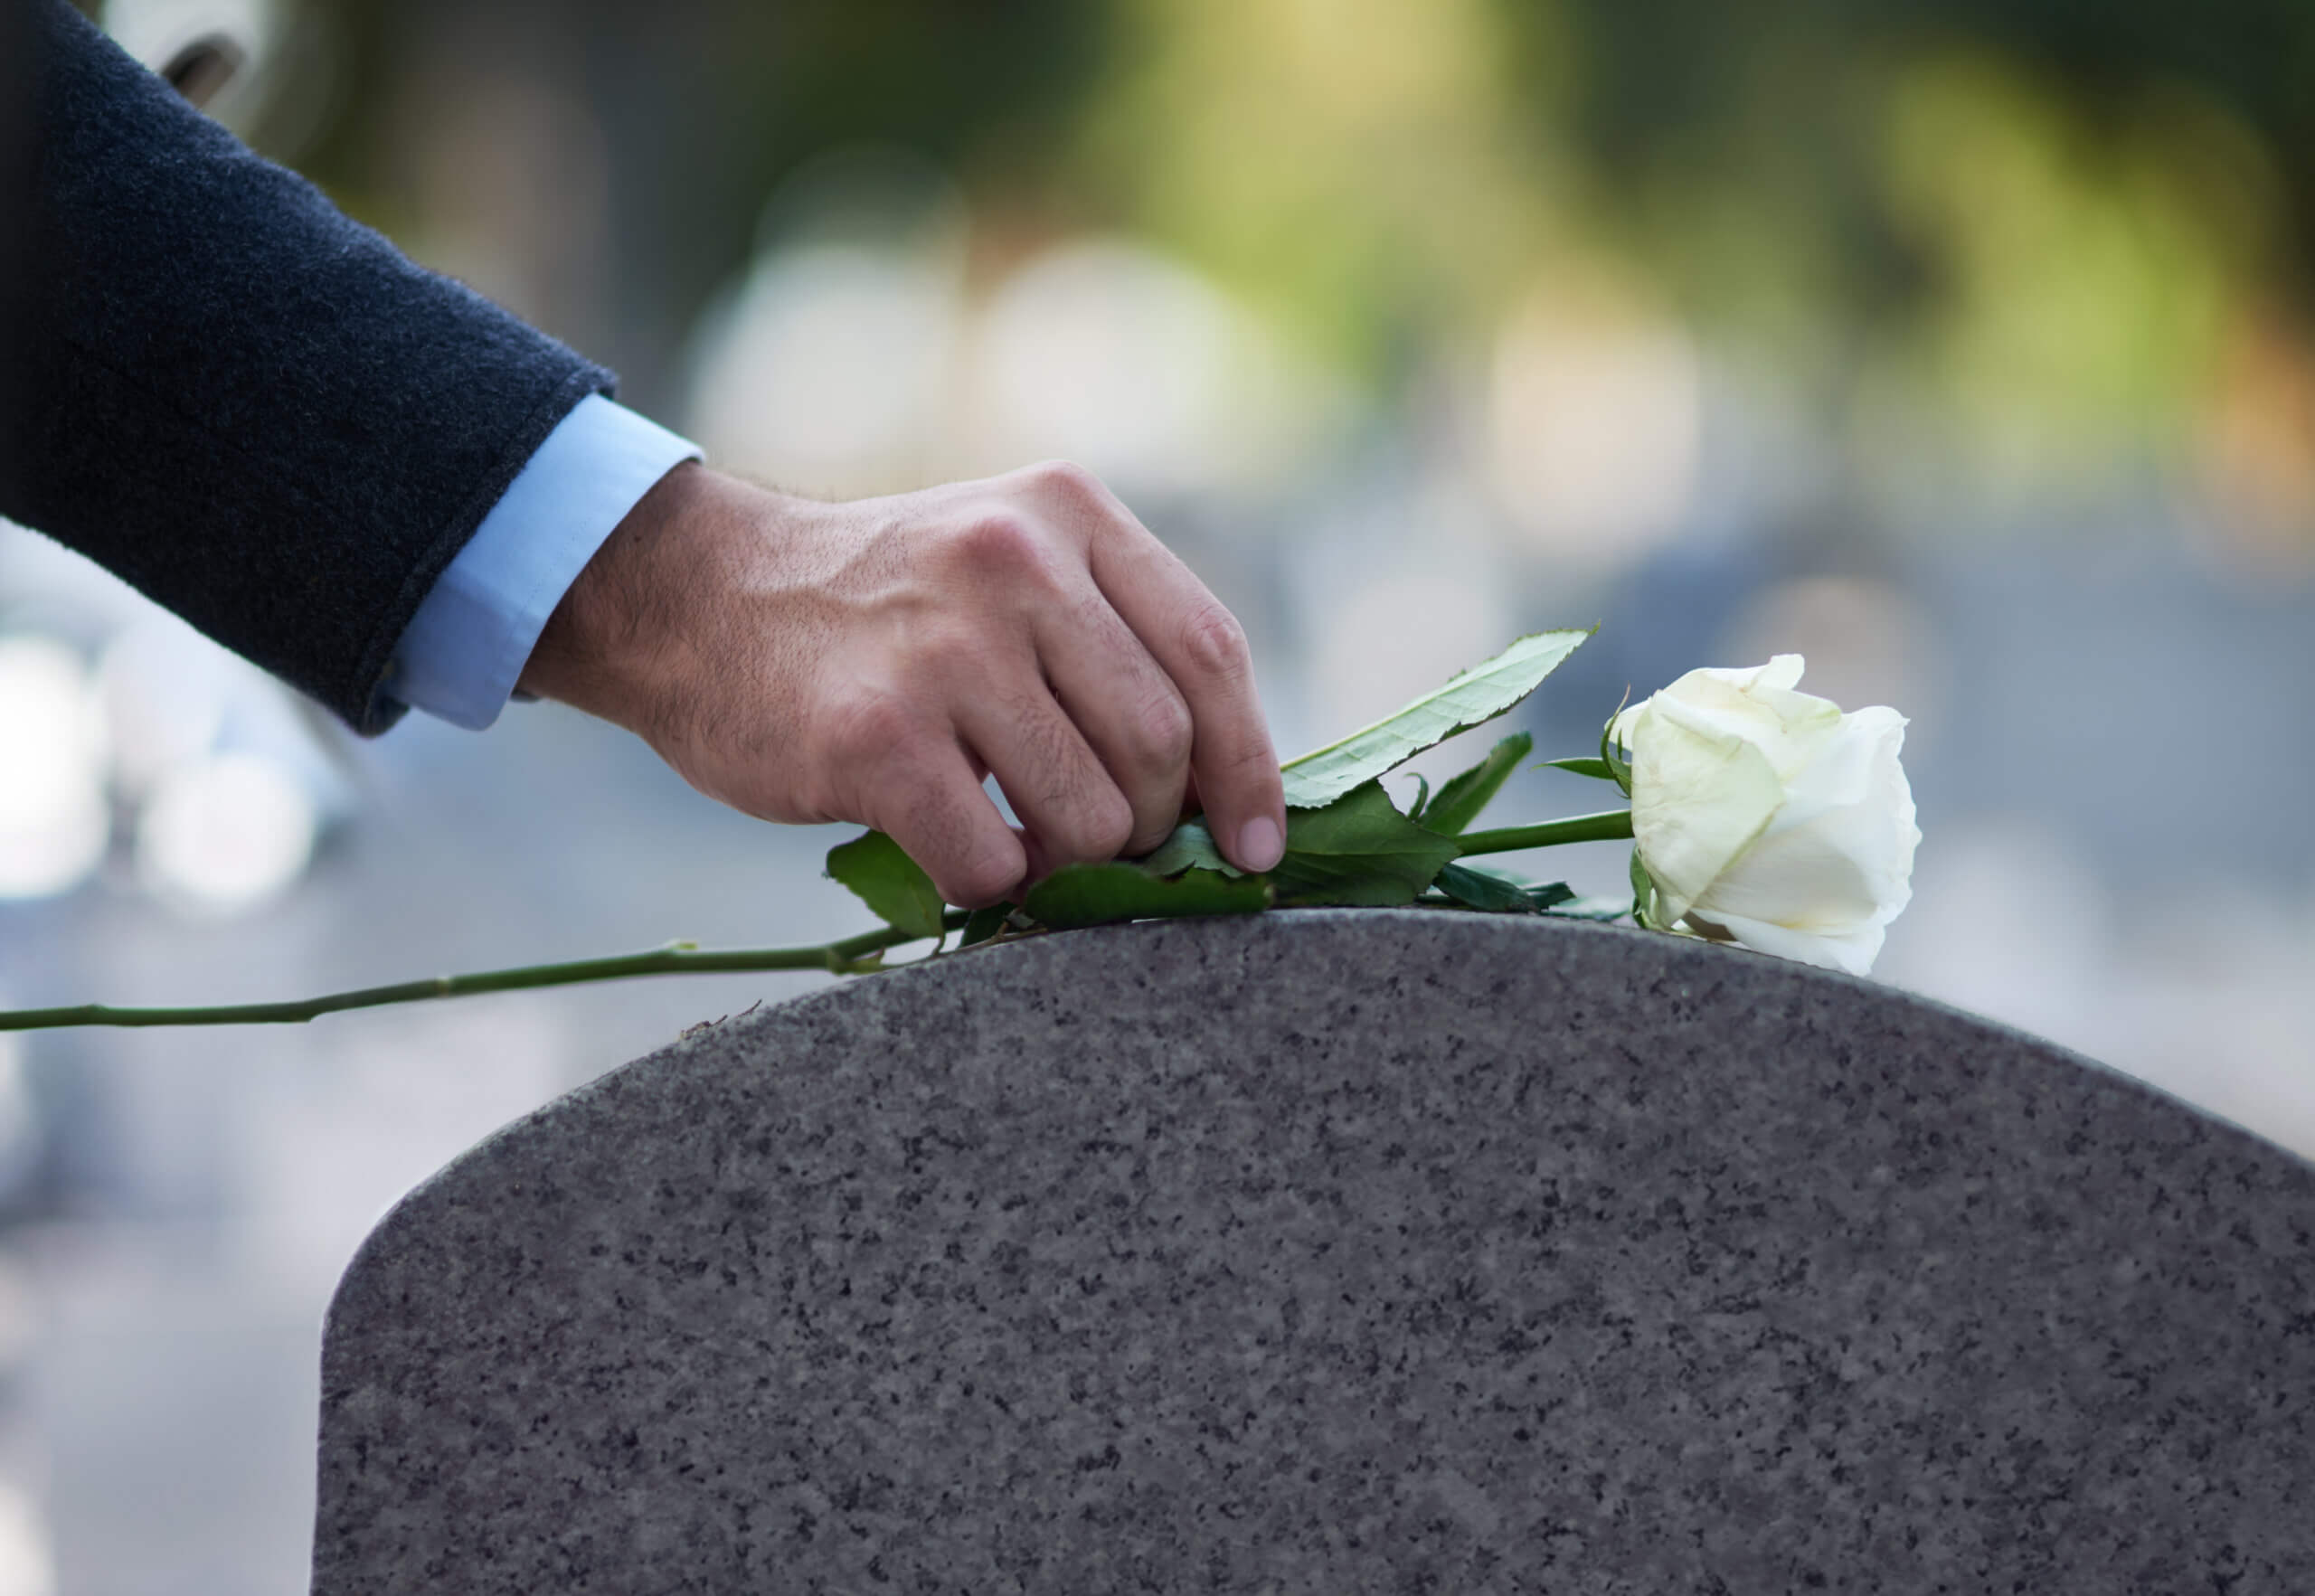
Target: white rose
1768	816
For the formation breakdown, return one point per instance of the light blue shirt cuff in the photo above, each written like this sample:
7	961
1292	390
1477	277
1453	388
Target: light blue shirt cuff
466	648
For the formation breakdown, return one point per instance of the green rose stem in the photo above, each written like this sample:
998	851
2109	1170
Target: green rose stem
1608	825
678	958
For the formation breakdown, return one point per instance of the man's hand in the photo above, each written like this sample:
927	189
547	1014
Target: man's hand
874	661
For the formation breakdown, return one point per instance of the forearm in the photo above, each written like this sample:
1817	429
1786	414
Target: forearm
246	405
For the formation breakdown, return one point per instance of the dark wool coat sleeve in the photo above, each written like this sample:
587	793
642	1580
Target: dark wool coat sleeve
251	408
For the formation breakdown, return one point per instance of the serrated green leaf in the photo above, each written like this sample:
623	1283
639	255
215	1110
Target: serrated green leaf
1475	888
1318	778
1460	802
1099	895
1598	769
984	923
889	881
1190	847
1358	850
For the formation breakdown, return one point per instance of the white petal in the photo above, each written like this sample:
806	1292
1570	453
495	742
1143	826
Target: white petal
1790	728
1880	830
1749	702
1844	865
1848	767
1698	799
1853	950
1803	880
1780	674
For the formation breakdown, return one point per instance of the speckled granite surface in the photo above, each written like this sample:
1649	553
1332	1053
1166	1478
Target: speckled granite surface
1338	1253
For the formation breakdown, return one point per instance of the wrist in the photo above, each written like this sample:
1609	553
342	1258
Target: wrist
601	649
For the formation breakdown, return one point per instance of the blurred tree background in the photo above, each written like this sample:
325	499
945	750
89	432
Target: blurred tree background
2037	245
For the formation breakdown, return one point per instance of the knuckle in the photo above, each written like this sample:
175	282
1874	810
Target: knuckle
1214	643
1067	480
869	729
1164	732
1255	761
1157	809
1147	840
1252	773
977	881
1001	540
966	863
1083	818
1104	827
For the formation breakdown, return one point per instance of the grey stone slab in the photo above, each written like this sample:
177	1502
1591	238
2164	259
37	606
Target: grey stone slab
1338	1253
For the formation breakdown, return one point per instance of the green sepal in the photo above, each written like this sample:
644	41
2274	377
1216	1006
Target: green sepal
889	881
1461	799
1422	798
1358	850
1643	894
1598	769
1079	896
985	923
1612	754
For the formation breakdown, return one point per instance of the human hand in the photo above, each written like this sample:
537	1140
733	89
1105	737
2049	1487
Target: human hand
874	661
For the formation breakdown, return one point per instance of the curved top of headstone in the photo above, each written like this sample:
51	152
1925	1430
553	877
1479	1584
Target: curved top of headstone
1335	1251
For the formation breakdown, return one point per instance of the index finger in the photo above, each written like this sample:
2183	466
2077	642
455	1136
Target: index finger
1200	645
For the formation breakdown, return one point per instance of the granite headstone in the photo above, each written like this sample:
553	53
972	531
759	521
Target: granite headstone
1336	1252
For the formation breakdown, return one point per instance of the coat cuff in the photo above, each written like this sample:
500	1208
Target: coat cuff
462	653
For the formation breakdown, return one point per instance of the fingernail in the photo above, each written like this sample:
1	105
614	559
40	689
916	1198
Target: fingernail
1260	846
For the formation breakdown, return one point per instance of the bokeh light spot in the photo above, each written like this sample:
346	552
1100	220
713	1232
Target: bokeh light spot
54	823
223	835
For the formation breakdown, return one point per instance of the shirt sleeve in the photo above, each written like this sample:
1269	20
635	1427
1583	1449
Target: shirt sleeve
463	650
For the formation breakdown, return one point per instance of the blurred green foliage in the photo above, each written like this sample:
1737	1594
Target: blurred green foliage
2047	215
